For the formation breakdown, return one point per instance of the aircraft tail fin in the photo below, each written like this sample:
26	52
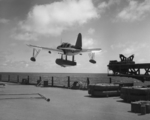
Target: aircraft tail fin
79	41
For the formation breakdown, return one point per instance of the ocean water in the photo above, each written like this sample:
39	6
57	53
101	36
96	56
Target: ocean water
62	78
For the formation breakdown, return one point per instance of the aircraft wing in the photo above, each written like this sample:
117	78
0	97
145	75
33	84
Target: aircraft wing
90	50
73	49
44	48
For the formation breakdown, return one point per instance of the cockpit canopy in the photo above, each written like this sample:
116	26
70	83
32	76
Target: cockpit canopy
66	45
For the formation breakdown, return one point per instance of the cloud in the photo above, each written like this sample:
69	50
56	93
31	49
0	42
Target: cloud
21	64
2	59
134	48
54	18
91	30
104	5
26	65
4	55
129	48
88	42
142	60
4	21
135	11
13	44
26	36
119	45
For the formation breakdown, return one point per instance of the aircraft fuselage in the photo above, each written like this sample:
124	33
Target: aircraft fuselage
70	52
69	49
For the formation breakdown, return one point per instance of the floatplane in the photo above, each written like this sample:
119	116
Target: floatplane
66	49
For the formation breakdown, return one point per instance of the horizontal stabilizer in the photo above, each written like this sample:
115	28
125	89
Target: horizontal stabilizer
91	50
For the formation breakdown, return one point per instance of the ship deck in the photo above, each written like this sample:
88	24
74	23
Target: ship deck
21	102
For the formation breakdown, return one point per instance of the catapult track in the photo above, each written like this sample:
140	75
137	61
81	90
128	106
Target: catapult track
127	68
130	68
135	66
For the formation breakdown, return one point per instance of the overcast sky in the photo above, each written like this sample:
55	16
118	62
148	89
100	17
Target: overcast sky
116	26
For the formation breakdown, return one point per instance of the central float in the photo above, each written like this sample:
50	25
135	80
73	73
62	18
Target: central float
65	63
